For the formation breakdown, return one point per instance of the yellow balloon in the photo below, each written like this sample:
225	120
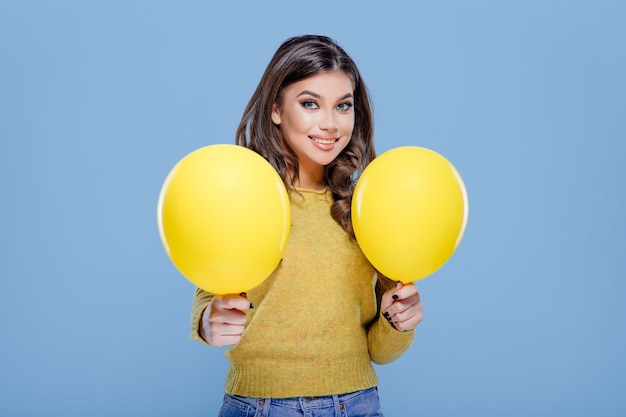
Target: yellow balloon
409	212
224	218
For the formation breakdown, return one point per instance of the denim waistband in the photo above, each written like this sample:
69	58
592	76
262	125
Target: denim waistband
303	403
319	402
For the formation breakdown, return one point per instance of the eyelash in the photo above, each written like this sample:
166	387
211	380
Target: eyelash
342	106
307	104
347	106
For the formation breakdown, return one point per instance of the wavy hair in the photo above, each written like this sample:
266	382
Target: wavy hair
296	59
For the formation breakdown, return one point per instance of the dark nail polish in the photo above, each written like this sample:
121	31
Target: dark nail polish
251	305
395	296
387	316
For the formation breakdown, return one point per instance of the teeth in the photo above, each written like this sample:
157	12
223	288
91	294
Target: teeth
324	141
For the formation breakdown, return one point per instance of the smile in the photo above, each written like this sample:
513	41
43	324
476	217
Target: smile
324	141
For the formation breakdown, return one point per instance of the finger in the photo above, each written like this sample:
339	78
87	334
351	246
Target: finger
387	298
409	324
403	305
225	340
219	331
229	330
231	339
228	317
405	314
218	314
232	302
405	291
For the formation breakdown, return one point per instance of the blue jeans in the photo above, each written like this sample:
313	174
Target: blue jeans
363	403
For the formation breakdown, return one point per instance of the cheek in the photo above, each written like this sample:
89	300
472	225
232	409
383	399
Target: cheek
298	122
349	126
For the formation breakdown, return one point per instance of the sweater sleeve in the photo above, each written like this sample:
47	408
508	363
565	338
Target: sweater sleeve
200	302
385	343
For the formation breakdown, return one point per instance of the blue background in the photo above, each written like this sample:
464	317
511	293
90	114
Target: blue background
98	100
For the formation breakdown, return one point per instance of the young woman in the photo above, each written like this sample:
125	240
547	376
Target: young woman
305	339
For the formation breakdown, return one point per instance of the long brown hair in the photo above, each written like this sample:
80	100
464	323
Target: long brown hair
298	58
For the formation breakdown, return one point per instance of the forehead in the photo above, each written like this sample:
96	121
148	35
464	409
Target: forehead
326	84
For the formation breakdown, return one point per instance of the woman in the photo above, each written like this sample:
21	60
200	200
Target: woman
306	337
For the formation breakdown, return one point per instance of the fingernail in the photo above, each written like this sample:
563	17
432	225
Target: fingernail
387	316
395	297
251	305
243	294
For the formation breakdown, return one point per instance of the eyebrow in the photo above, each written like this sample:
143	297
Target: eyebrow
311	93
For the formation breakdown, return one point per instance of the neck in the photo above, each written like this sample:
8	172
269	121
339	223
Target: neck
311	179
310	185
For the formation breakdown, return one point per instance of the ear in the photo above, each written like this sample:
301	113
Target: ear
276	114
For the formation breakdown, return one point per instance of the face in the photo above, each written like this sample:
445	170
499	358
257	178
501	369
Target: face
316	118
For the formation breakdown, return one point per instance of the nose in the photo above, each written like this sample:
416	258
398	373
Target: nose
328	121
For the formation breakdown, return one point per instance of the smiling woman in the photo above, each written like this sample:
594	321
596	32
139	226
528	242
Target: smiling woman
310	117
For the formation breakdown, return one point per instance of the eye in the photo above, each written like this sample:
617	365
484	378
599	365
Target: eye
309	104
344	106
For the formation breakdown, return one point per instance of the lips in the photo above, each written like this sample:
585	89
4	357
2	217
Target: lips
324	140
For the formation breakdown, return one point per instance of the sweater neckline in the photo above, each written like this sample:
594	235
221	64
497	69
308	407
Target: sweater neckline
310	191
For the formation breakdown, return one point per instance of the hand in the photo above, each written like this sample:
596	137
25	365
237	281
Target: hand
402	307
224	318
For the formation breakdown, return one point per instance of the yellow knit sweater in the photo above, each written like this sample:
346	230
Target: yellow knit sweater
315	328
